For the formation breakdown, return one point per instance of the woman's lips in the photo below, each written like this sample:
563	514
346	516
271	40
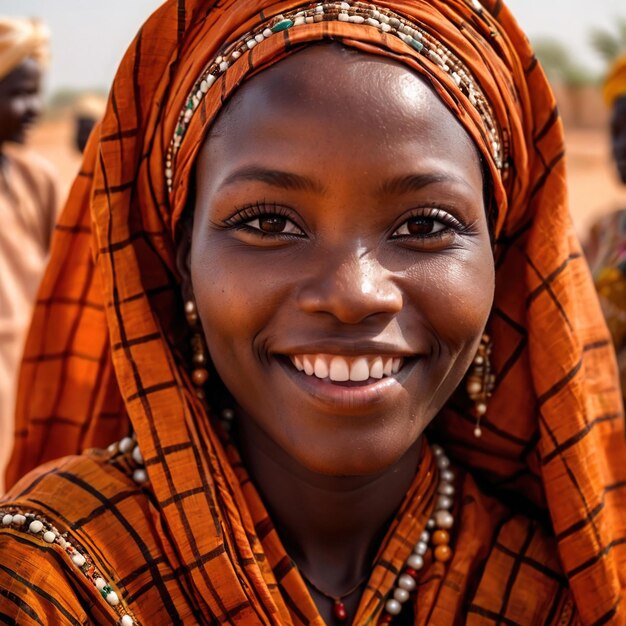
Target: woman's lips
347	382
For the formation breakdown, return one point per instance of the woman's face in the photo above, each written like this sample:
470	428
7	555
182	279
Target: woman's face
20	100
340	260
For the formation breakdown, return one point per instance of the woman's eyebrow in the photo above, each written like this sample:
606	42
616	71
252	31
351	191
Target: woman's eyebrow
415	182
276	178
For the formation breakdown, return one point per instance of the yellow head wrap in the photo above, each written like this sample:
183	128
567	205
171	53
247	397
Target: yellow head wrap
21	38
615	82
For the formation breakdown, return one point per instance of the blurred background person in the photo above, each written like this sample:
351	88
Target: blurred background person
28	202
88	111
606	250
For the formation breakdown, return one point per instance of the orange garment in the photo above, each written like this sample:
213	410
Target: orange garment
28	209
194	545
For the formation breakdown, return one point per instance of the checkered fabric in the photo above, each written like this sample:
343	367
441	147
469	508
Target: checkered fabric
195	545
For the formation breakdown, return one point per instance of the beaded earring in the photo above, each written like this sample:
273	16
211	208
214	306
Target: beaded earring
480	382
199	374
200	359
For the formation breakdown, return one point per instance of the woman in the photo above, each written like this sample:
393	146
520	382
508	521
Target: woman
29	201
295	225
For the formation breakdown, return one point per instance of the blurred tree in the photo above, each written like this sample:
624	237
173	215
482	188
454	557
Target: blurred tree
559	64
610	44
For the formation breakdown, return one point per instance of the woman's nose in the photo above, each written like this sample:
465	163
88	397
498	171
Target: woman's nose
351	289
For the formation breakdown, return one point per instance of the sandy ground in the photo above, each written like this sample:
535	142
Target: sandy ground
593	186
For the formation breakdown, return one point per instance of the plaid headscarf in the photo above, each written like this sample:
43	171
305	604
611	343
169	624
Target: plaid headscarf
103	345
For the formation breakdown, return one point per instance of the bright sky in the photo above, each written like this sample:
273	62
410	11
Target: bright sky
90	36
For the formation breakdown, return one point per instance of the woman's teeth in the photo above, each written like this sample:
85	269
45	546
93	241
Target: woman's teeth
342	369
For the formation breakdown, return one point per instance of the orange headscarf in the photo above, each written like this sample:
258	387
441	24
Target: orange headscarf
104	345
615	82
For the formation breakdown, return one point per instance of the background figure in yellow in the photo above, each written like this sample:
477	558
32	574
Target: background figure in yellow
28	203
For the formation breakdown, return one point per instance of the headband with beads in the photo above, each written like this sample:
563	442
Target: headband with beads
355	13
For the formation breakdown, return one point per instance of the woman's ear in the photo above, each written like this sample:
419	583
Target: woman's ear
183	257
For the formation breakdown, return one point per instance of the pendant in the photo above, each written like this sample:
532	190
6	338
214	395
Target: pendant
339	611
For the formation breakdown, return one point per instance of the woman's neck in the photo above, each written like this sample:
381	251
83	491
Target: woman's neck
332	527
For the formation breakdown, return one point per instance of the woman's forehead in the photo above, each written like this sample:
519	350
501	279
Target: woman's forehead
361	96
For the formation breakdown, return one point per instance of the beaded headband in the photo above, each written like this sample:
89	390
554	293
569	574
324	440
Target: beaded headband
354	12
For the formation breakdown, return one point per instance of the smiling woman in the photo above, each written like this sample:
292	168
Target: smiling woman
313	246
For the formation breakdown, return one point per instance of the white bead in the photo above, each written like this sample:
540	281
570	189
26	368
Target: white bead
299	21
236	54
35	527
140	475
228	414
309	20
137	456
7	520
447	475
204	86
445	489
78	559
401	595
444	519
267	33
406	582
219	59
210	79
251	43
443	462
126	445
357	19
420	548
385	28
430	523
112	599
319	9
444	502
415	561
393	607
196	100
49	536
372	22
344	5
19	519
383	18
112	449
425	536
127	620
100	584
478	433
343	17
437	450
224	64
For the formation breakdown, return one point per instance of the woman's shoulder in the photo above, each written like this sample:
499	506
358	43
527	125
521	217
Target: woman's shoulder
64	535
507	557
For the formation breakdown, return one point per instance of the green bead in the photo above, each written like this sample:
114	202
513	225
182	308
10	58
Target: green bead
416	44
180	130
282	25
190	103
105	591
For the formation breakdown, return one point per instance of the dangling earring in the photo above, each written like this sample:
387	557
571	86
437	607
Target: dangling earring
199	357
480	382
199	374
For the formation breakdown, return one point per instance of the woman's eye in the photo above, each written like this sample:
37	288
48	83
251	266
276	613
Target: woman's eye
420	227
274	225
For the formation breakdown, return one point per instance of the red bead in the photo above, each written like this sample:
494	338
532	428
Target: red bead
386	619
339	611
409	571
199	376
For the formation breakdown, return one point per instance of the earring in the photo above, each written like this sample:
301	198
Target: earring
199	374
480	382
